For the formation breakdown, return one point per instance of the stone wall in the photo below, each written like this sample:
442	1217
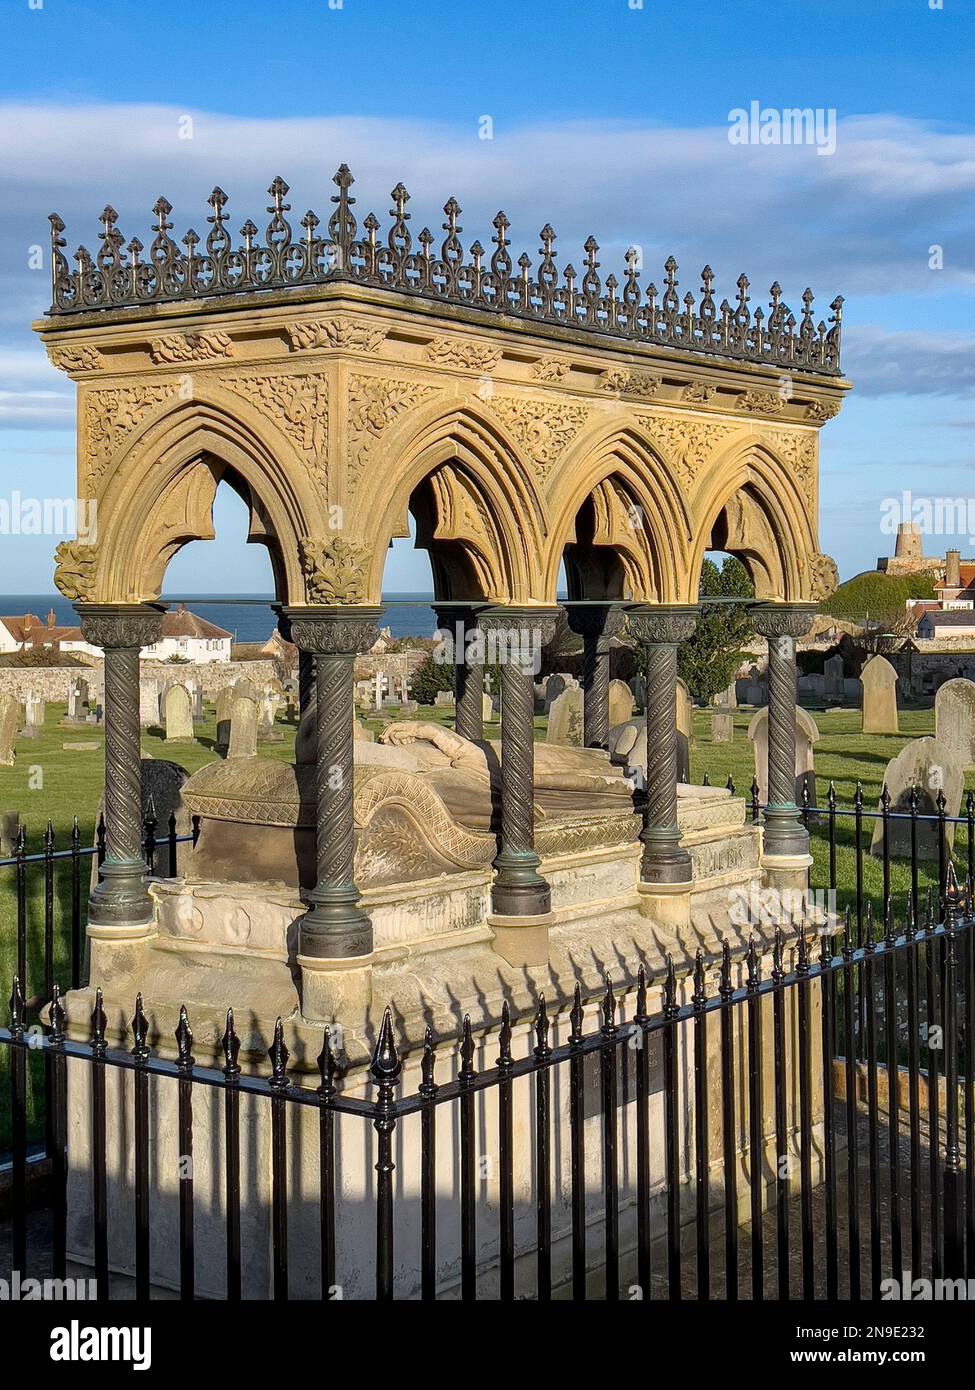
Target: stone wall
52	683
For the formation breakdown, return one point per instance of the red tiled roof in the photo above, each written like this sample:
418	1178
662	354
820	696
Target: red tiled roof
179	622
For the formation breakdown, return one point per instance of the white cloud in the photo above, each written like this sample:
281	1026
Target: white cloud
881	363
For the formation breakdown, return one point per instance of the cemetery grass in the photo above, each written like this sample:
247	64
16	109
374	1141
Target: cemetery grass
48	782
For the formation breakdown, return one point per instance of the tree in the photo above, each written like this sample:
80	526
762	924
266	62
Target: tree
430	678
708	661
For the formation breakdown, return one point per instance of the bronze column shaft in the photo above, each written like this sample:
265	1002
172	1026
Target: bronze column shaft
781	625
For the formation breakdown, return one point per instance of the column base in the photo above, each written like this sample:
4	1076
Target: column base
667	904
121	900
336	988
334	928
521	941
787	873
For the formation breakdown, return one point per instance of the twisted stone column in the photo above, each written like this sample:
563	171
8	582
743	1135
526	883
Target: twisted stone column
306	665
461	622
517	637
121	631
596	623
335	927
665	862
780	624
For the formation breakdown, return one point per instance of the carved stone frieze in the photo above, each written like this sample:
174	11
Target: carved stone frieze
75	573
191	347
700	392
798	450
761	402
621	381
464	352
544	430
821	411
339	332
111	415
550	369
299	404
374	404
81	358
688	442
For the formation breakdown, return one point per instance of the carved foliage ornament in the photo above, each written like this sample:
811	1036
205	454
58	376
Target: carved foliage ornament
299	404
338	635
700	392
464	352
335	571
121	630
75	572
797	449
550	369
336	333
74	359
822	410
112	415
191	347
374	404
823	577
544	431
688	442
761	402
622	381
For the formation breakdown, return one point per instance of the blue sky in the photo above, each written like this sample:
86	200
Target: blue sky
608	116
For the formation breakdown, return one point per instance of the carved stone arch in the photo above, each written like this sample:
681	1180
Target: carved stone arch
755	508
158	496
475	505
618	488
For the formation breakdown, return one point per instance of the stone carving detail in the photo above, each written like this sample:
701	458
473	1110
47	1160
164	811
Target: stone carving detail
374	404
191	347
761	402
689	443
113	414
75	359
821	411
621	381
544	431
466	352
699	392
336	333
823	577
798	450
75	573
299	404
550	369
334	570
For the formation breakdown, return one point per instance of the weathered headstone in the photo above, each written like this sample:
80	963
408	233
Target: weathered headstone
33	715
722	726
931	767
565	718
555	685
878	680
245	689
833	678
756	690
954	719
487	707
628	745
807	734
639	687
9	718
243	728
444	699
225	700
379	686
620	703
179	715
685	730
196	693
77	699
727	699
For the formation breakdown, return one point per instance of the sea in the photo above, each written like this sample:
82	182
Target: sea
247	617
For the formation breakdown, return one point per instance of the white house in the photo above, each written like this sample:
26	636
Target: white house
28	633
188	636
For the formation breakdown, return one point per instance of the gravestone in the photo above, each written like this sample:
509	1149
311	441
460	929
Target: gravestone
267	710
807	734
179	715
565	718
225	700
34	715
196	692
149	713
628	746
722	726
9	830
379	685
243	728
639	687
685	730
444	699
727	699
555	685
878	680
9	718
954	719
245	689
77	699
620	703
833	678
931	767
487	707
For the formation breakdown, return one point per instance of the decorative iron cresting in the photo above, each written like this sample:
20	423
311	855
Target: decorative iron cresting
118	277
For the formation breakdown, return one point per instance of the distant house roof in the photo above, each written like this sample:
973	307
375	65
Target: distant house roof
180	622
28	631
955	617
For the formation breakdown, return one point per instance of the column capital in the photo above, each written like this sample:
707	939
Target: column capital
495	618
662	624
120	626
782	619
600	621
339	631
